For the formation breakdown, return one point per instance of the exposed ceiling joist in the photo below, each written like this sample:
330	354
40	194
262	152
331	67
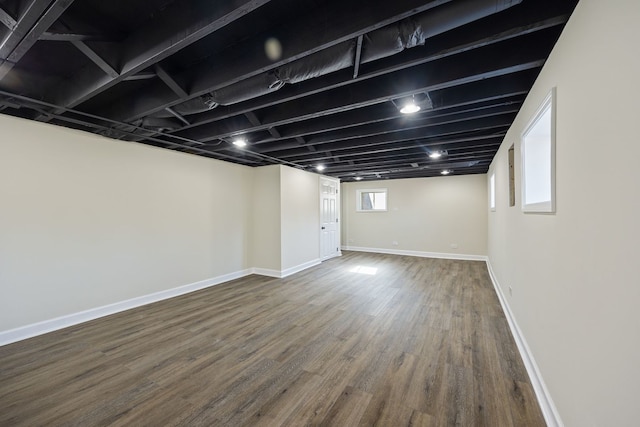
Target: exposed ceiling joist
170	82
468	67
389	127
498	91
253	119
21	26
177	116
7	20
95	58
319	83
37	19
445	46
69	36
356	60
301	39
487	125
156	41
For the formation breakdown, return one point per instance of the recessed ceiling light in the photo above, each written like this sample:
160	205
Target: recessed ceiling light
358	178
320	167
410	107
435	155
240	142
446	172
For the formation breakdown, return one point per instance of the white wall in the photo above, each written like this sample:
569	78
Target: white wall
265	245
286	218
300	220
574	274
87	221
425	215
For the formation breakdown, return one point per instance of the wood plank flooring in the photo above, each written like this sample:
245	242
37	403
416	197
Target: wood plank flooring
422	342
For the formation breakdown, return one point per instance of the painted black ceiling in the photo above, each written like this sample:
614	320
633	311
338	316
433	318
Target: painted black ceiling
303	82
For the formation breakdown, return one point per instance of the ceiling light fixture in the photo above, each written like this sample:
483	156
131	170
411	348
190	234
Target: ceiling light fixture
435	155
358	178
240	142
320	168
410	107
446	172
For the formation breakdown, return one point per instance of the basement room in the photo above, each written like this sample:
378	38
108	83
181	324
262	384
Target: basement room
327	213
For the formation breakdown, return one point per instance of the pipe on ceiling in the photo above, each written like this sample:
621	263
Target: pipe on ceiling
414	30
381	43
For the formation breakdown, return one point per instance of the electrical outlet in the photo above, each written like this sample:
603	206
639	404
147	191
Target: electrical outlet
394	243
454	246
352	240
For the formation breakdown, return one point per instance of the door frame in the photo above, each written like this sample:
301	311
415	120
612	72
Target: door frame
338	213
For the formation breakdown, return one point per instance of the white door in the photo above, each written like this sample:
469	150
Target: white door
329	218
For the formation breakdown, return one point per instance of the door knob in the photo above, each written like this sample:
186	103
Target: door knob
323	228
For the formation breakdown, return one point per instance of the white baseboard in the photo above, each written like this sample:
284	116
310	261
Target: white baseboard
266	272
443	255
549	410
298	268
286	272
28	331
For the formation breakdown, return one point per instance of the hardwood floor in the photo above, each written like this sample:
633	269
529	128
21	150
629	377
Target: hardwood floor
422	342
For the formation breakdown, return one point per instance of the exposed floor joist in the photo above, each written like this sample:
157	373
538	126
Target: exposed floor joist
303	84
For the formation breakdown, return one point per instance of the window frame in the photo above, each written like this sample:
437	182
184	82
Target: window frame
546	206
371	190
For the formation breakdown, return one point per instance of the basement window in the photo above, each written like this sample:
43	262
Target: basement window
538	159
371	200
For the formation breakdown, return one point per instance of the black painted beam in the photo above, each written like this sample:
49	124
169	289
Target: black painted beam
274	132
70	36
452	43
411	151
156	41
141	76
510	88
399	165
356	60
253	119
95	58
399	124
37	19
470	160
177	116
418	156
7	20
170	82
404	174
467	142
465	68
304	38
496	91
482	126
25	22
433	118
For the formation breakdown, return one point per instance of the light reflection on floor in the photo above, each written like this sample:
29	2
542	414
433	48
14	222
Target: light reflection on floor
371	271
